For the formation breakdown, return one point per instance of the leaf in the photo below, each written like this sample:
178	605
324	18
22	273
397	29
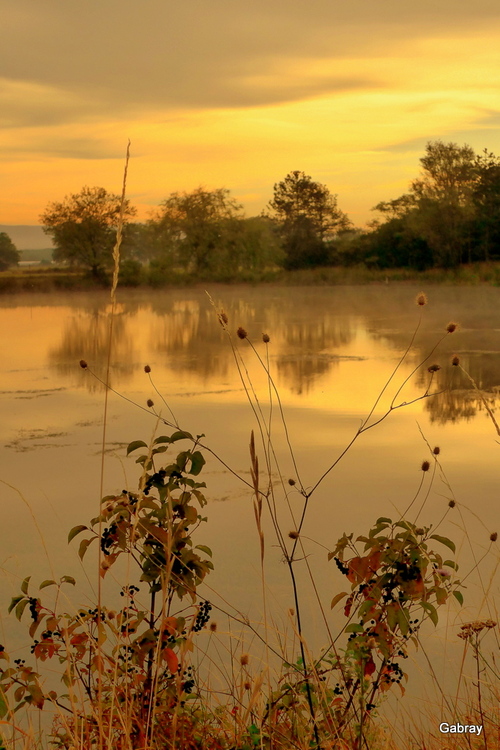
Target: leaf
162	439
204	549
24	585
180	435
336	599
36	695
20	608
431	611
354	628
15	600
197	463
134	445
450	564
459	597
74	531
46	583
444	540
4	709
171	659
383	519
84	546
68	579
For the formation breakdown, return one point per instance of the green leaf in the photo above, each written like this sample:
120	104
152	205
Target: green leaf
180	435
450	564
84	546
46	583
431	611
162	439
20	608
68	579
74	531
197	463
15	600
383	519
354	628
4	709
444	540
459	597
336	599
24	585
204	549
134	445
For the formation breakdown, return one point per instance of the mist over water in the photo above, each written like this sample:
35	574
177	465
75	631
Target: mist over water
331	351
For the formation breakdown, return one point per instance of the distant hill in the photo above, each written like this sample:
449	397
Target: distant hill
27	237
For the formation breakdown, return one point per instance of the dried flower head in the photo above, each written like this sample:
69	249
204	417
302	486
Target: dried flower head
451	327
436	450
83	364
421	299
150	403
493	536
433	368
265	338
147	369
419	531
247	685
455	361
425	466
293	534
291	612
451	504
223	318
244	660
213	627
292	482
241	333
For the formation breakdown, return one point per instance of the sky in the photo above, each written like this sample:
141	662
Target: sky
237	94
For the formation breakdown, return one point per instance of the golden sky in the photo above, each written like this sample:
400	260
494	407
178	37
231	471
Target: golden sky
236	94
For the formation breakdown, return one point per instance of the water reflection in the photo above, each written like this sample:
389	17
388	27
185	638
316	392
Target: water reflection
313	331
85	335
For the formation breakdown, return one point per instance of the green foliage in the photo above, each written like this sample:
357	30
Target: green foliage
308	218
9	255
137	654
83	228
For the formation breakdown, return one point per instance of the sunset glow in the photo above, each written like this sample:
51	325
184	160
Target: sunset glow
227	95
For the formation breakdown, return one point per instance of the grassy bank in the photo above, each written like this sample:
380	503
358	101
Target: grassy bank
57	279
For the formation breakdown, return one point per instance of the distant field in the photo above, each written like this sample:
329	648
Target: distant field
38	254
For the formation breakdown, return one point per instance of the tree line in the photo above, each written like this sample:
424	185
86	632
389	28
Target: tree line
449	216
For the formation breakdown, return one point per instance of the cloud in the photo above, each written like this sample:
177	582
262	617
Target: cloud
121	56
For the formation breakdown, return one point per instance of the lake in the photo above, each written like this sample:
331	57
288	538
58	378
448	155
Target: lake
331	351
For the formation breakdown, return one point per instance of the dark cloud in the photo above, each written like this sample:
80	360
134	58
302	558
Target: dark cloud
99	58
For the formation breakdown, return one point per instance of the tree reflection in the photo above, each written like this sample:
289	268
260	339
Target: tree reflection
86	336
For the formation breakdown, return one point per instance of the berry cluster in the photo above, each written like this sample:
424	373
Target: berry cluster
203	616
340	565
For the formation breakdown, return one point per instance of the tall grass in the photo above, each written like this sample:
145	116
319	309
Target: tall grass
158	671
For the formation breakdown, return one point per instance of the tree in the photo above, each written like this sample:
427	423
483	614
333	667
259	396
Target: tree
308	218
9	254
198	231
486	200
83	227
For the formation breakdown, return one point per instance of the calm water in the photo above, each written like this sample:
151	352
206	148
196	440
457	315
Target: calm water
331	351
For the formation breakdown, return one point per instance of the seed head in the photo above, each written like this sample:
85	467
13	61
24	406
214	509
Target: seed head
241	333
244	660
493	536
83	364
265	338
451	327
433	368
425	466
111	614
150	403
147	369
213	627
437	450
419	531
293	534
455	361
421	299
451	504
292	482
223	318
247	685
